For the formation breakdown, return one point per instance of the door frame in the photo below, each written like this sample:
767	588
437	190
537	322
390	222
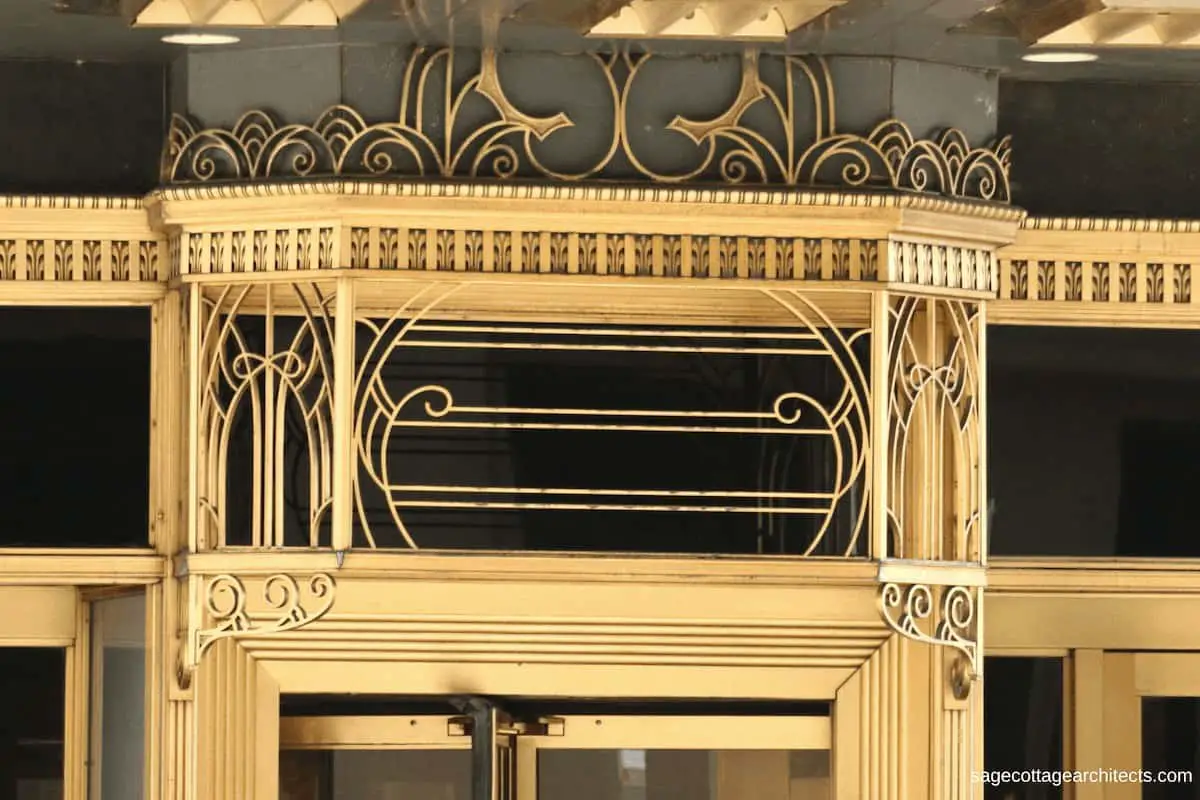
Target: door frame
51	590
1127	678
1124	628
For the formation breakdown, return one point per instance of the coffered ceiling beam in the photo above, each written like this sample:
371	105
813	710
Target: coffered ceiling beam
242	13
1161	24
711	19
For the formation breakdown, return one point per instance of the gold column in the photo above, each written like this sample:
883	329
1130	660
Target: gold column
236	727
932	575
169	706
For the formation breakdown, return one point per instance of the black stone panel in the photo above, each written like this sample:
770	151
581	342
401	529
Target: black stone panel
1104	149
80	128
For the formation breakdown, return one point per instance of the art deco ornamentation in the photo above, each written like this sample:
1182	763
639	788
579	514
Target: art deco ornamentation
225	605
896	261
1087	282
90	260
396	413
264	440
917	612
935	426
457	121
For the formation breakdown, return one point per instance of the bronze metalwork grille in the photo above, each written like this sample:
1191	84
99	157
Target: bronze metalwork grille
498	434
458	119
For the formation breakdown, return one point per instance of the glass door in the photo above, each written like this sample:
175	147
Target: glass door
1166	707
40	671
677	758
383	758
555	757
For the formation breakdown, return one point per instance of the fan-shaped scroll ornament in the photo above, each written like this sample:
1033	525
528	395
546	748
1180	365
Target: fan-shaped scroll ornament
777	130
290	604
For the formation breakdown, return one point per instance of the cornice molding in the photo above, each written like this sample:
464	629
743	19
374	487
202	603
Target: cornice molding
541	568
52	202
1100	272
774	197
1110	225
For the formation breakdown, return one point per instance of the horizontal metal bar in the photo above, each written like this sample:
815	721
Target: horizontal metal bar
604	507
517	490
798	335
567	426
483	344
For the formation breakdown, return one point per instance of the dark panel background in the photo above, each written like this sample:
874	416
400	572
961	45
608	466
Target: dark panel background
87	128
1104	149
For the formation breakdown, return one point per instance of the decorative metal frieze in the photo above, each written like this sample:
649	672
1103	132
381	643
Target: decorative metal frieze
458	119
1123	280
935	429
944	266
943	616
293	604
99	259
1100	270
580	253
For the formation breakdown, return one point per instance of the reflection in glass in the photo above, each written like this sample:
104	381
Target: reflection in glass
1170	741
375	774
119	707
31	723
1023	723
683	775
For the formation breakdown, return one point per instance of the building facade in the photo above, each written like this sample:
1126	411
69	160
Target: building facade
465	417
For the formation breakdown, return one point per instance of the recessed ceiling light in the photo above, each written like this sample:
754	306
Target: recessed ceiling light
200	39
1057	57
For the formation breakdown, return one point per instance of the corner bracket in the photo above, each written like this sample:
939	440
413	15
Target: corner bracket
293	605
939	615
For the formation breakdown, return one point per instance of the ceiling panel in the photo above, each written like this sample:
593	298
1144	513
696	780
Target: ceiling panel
905	28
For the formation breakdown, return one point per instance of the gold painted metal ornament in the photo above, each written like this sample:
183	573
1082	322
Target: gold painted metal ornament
733	146
225	604
915	612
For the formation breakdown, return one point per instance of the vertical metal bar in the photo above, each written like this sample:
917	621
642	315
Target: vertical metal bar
484	766
269	502
343	416
981	392
194	388
880	390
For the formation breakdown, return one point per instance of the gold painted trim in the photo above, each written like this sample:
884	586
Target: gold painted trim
578	732
79	567
40	616
933	573
1096	603
1167	674
712	197
602	732
538	568
564	634
77	723
370	733
1089	576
